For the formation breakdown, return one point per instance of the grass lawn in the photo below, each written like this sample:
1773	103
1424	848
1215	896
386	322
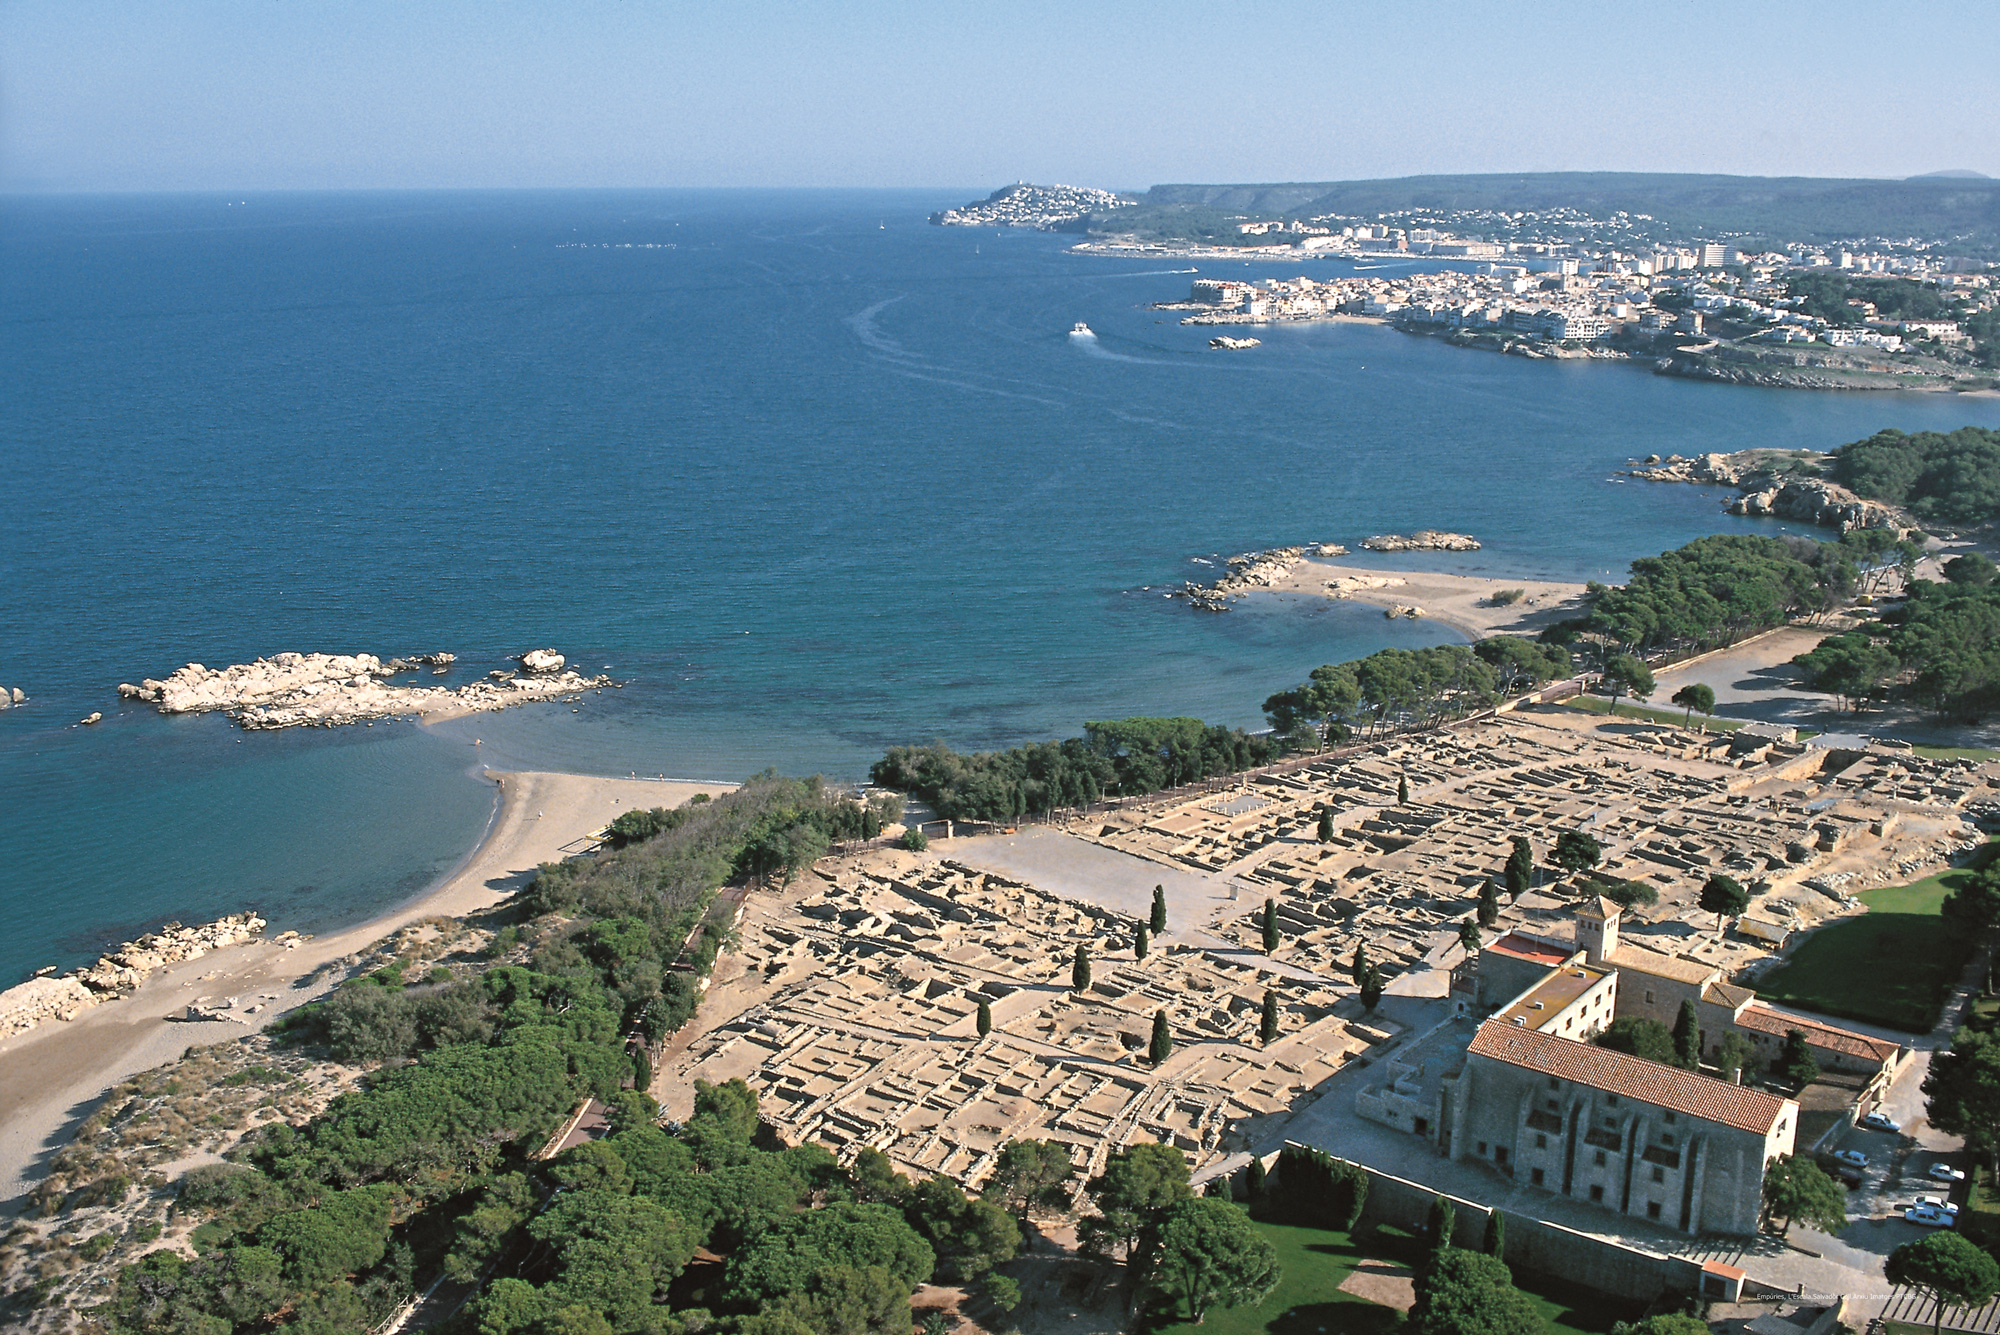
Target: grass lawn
1314	1262
1955	752
1893	965
1597	704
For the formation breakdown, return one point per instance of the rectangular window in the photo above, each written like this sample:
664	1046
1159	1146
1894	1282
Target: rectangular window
1536	1177
1668	1141
1541	1142
1613	1101
1600	1159
1670	1119
1482	1149
1649	997
1652	1209
1500	1154
1659	1175
1597	1195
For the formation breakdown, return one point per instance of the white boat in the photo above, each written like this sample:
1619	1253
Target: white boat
1082	330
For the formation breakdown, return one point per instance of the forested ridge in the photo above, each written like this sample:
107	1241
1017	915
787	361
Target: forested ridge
1940	477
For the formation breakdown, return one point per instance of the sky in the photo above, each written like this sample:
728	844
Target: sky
148	95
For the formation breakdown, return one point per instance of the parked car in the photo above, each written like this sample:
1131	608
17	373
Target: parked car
1944	1172
1927	1217
1855	1157
1880	1121
1936	1203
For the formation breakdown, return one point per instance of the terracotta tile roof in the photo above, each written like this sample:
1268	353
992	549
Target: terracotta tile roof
1668	1087
1638	959
1727	994
1527	948
1763	1020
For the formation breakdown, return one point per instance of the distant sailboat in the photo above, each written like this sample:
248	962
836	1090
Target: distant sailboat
1082	330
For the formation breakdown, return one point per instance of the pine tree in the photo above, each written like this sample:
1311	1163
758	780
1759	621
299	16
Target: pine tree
1687	1037
1267	1026
1326	826
1402	790
1489	903
1162	1045
1079	972
1140	943
1357	968
1159	909
1496	1236
985	1020
1270	927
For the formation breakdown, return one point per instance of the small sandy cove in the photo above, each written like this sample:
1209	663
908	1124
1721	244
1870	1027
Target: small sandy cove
52	1076
1463	602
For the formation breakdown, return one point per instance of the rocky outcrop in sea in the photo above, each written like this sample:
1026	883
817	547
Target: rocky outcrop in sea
1423	540
325	690
120	971
1250	570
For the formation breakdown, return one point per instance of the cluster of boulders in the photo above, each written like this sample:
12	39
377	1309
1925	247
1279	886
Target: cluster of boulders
1423	540
1784	483
325	690
10	698
119	972
1348	585
1812	500
1250	570
1395	610
1233	344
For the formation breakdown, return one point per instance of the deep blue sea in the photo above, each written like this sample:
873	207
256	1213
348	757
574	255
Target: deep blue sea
815	476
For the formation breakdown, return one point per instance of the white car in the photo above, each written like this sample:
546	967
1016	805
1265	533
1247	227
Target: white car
1854	1157
1936	1203
1880	1121
1926	1216
1944	1172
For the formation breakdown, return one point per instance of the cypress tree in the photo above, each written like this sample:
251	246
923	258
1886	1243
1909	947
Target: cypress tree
1326	827
1253	1178
1687	1037
1357	968
1489	903
1371	990
1267	1025
1402	790
1496	1236
985	1020
1079	972
1162	1045
1159	909
1140	943
1520	868
1270	927
642	1069
1440	1222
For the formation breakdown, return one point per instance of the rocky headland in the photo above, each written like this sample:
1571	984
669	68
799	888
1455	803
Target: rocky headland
120	971
1267	569
326	690
1783	483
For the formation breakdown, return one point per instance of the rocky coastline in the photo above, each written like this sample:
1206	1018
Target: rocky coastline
1781	483
292	690
120	971
1423	540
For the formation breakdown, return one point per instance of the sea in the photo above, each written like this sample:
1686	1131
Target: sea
811	476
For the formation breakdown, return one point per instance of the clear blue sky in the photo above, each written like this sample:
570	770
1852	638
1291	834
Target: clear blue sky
290	94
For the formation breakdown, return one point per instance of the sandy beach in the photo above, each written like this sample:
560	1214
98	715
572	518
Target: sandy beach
1463	602
52	1076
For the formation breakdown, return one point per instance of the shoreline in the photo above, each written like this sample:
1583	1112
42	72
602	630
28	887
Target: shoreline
52	1076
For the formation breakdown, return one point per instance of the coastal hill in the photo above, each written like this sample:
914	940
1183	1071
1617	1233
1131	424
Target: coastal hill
1790	207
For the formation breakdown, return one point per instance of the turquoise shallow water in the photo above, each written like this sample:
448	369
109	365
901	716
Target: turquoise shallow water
818	478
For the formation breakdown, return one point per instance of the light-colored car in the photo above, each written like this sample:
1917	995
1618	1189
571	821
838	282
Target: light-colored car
1927	1217
1944	1172
1855	1157
1936	1203
1880	1121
